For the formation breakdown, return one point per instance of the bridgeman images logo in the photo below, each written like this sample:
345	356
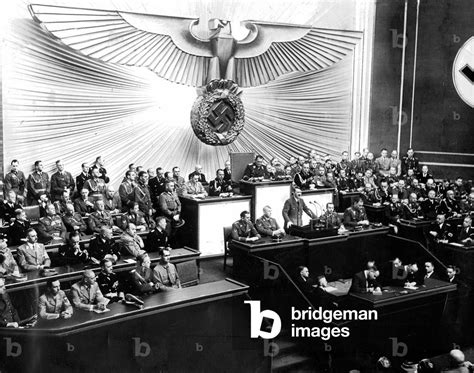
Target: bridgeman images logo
257	318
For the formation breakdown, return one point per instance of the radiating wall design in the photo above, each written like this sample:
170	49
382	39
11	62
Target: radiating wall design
59	104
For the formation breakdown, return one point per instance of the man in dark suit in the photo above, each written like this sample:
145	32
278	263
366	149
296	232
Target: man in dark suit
198	171
466	235
304	282
220	185
430	206
440	230
60	181
8	207
430	273
293	210
365	281
82	178
82	204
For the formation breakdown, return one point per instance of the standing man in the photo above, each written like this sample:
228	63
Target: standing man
293	210
158	237
141	195
53	304
82	177
268	226
32	255
410	162
37	184
100	163
126	189
60	181
170	206
96	185
243	229
15	180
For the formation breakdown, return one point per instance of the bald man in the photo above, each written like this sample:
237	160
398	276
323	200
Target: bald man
268	226
201	177
86	294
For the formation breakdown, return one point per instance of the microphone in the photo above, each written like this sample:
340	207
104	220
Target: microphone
132	298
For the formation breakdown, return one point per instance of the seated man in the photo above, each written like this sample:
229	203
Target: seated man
414	277
330	218
430	273
466	235
365	282
220	186
72	253
61	203
293	210
8	207
441	231
51	227
103	247
17	231
194	188
8	265
112	201
32	255
53	304
108	281
198	172
8	315
356	215
412	209
131	242
304	179
157	238
304	282
449	206
134	216
430	206
82	204
394	212
243	229
86	294
165	272
268	226
255	170
101	218
74	221
143	277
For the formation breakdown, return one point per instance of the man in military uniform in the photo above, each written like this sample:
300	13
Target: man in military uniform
412	209
430	206
60	205
356	215
86	294
193	187
170	208
141	195
60	181
96	185
143	277
8	207
112	202
424	175
410	162
53	304
466	234
243	229
37	184
441	231
165	272
32	255
157	237
268	226
293	210
134	216
394	212
126	189
357	164
8	315
255	170
101	218
51	227
344	164
395	162
15	180
74	221
104	247
8	264
178	179
157	186
449	206
108	281
330	218
369	162
220	185
131	242
320	178
82	177
304	179
99	164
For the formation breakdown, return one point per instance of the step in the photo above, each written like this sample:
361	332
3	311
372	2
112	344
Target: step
288	362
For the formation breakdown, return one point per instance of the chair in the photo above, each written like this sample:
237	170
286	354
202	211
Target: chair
32	213
227	238
188	273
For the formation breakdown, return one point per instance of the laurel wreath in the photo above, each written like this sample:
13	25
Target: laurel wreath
217	90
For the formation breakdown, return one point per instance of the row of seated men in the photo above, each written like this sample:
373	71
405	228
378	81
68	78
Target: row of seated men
94	292
354	216
371	279
32	255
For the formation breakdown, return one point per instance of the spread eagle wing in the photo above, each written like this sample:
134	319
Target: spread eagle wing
273	49
163	44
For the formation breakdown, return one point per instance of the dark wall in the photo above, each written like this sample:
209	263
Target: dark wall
442	122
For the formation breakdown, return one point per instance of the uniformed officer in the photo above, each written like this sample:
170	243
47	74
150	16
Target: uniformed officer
220	185
356	215
141	194
15	180
108	281
394	211
330	218
170	208
412	209
101	218
268	226
37	184
51	227
96	186
410	162
243	229
255	169
60	181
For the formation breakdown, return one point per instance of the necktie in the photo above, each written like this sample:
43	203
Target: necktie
168	273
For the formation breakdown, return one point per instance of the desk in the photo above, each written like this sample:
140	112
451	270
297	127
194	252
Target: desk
266	192
346	199
205	220
200	328
394	295
376	214
74	272
462	257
